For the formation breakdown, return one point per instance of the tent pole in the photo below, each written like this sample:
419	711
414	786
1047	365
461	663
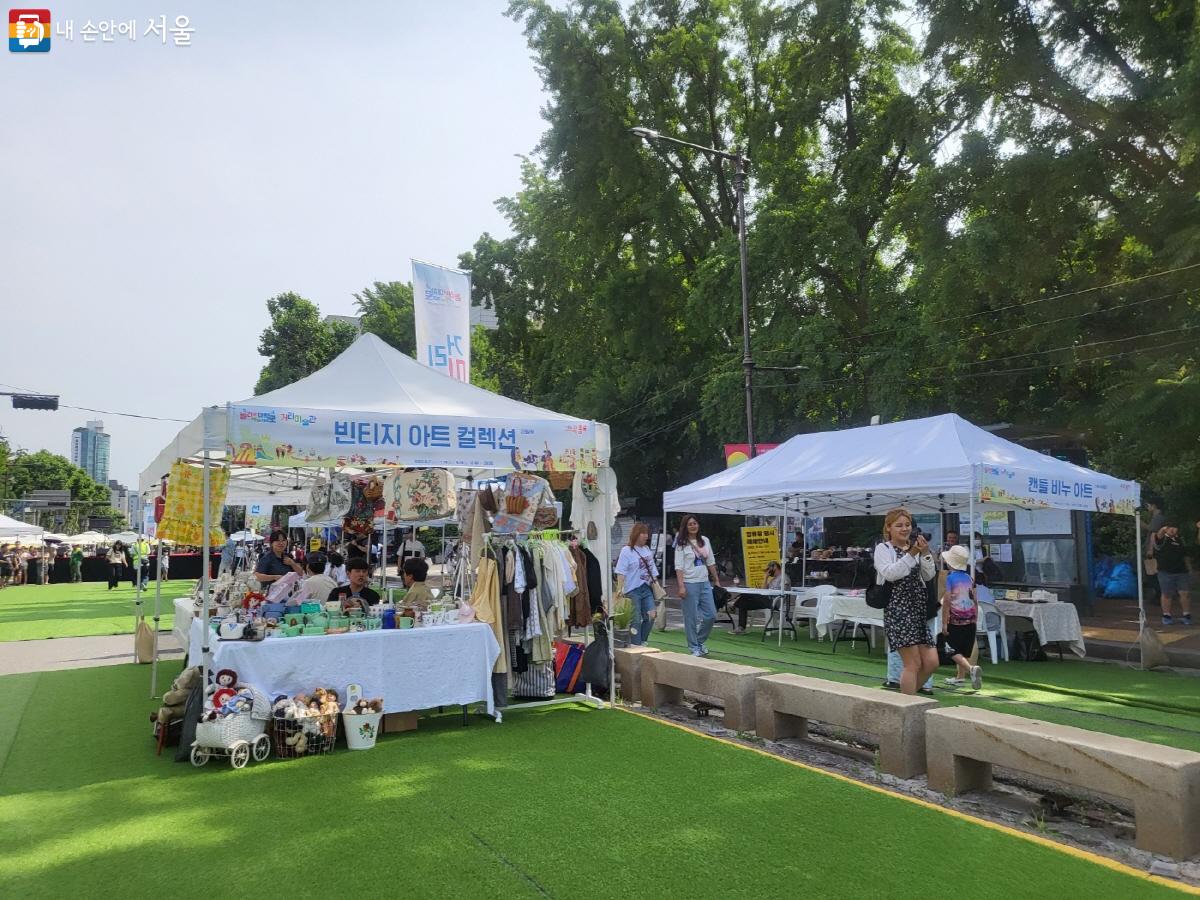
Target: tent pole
383	561
204	565
782	568
1137	567
157	606
804	544
138	615
971	526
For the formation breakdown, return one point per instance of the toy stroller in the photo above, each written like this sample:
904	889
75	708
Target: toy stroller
237	731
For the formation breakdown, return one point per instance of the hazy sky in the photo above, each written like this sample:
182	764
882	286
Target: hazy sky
155	196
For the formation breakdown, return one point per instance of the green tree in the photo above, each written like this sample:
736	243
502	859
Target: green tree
46	471
297	342
387	312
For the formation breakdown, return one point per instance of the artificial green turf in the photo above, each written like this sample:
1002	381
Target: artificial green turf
1162	707
37	611
565	802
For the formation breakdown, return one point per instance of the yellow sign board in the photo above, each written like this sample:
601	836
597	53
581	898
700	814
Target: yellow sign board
760	546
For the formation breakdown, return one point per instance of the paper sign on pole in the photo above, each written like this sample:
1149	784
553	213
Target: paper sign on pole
442	313
760	546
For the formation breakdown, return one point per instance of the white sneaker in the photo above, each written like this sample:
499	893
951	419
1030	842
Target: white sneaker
953	680
976	677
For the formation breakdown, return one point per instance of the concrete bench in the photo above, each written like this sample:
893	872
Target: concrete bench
665	676
1162	783
787	702
628	661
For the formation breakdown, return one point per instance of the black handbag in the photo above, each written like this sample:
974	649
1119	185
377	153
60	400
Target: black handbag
879	595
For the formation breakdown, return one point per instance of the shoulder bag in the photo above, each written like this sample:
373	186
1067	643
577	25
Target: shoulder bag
660	593
879	595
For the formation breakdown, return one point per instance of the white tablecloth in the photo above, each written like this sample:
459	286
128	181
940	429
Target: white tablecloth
1051	621
411	668
836	607
184	613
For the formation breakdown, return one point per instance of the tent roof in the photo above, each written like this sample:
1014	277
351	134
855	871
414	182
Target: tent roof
926	465
369	376
10	527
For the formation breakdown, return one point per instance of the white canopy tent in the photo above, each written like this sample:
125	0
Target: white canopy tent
925	465
372	406
14	528
938	464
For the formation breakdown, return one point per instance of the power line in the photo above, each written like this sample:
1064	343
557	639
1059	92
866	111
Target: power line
1017	305
1000	372
108	412
1021	304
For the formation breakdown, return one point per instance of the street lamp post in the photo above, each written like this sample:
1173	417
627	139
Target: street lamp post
739	188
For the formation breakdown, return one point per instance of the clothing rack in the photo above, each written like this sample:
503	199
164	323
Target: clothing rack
492	539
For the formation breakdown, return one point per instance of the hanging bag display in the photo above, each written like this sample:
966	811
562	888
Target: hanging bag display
420	496
318	499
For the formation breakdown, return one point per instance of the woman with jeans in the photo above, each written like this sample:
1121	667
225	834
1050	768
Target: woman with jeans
636	565
696	570
908	565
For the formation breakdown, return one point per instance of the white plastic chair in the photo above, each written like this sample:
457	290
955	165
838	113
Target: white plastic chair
807	603
991	625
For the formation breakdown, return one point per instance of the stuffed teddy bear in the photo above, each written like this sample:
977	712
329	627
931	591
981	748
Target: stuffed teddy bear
175	699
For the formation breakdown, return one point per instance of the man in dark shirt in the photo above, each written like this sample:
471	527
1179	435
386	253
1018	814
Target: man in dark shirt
355	595
275	561
1173	576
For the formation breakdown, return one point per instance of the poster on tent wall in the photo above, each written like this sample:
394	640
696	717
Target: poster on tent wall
1038	490
442	313
271	436
760	547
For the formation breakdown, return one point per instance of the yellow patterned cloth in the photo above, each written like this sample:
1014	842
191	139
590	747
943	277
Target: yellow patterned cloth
183	514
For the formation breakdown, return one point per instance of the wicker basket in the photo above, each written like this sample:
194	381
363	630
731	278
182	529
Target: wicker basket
560	481
316	735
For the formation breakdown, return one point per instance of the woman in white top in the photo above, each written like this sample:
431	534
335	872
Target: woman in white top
696	570
908	565
636	564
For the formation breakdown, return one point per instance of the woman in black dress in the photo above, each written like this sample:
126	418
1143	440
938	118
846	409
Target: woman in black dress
908	565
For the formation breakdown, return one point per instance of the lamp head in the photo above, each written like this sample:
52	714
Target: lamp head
648	133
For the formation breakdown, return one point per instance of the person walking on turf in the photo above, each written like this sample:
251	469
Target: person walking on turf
636	564
905	561
1166	549
76	564
116	564
960	612
696	571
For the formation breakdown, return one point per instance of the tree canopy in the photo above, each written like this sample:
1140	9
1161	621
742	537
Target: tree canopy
990	208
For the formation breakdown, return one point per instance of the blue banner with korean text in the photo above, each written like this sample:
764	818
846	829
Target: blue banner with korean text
1078	489
270	436
442	317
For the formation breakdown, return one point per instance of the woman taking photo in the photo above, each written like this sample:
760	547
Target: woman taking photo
905	562
696	570
636	564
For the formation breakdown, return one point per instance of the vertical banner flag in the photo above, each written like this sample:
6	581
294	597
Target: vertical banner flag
442	311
